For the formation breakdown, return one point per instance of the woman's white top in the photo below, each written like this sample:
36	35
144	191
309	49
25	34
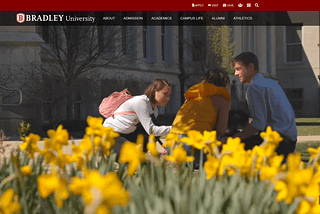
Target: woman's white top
126	124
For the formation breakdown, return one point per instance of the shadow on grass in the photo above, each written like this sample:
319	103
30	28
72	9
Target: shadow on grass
307	124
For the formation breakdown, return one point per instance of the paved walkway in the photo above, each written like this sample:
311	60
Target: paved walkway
302	139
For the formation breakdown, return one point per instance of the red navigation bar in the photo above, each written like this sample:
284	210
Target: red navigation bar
160	5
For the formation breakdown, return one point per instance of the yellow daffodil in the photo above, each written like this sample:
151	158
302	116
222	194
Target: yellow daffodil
257	155
233	144
271	136
94	126
210	139
179	155
140	141
273	168
267	172
94	122
49	156
304	207
109	140
227	164
152	146
94	136
77	156
86	146
52	151
29	144
282	189
49	184
170	139
102	136
132	153
312	193
194	139
211	166
242	161
294	161
108	188
26	170
296	182
9	203
58	137
63	160
314	153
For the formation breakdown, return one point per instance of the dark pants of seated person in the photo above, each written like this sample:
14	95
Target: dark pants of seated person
133	138
285	147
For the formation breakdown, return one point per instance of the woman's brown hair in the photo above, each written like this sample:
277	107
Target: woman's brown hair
156	85
217	77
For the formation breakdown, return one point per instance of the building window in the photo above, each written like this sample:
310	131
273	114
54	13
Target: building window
163	35
106	36
144	40
44	33
124	39
100	38
198	43
293	43
78	110
295	97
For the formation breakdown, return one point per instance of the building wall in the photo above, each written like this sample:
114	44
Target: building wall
298	79
19	52
301	76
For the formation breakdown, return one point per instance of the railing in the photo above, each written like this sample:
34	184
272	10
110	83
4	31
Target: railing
14	104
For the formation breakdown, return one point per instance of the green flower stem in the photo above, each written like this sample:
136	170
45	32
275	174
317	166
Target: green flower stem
201	161
23	201
8	179
192	153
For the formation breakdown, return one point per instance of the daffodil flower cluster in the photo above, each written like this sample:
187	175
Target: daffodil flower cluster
9	202
233	158
100	192
98	140
52	184
301	183
102	138
179	155
292	180
132	154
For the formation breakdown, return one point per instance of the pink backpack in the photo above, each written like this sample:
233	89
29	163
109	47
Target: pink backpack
112	102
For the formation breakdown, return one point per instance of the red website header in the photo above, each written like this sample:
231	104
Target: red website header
161	5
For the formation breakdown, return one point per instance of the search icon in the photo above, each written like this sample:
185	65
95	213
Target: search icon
256	4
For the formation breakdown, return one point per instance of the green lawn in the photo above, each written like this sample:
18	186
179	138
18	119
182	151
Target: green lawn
308	126
303	149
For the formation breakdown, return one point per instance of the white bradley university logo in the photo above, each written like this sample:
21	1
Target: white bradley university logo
20	17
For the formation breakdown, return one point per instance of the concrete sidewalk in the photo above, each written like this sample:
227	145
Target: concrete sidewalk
302	139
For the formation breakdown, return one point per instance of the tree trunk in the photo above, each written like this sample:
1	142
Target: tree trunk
69	101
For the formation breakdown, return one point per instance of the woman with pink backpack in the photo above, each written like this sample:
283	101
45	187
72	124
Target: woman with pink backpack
137	114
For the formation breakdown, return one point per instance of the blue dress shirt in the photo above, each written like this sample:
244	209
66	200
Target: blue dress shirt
269	106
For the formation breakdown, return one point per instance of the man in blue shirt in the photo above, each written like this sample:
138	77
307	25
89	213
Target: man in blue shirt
268	106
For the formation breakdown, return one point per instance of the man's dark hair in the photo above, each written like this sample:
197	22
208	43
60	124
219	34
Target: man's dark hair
246	58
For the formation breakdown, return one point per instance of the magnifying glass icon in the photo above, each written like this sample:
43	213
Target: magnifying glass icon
256	4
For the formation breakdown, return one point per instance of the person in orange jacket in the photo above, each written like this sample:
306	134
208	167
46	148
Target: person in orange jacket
206	108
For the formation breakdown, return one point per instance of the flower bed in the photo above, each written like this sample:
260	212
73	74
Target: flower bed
232	180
